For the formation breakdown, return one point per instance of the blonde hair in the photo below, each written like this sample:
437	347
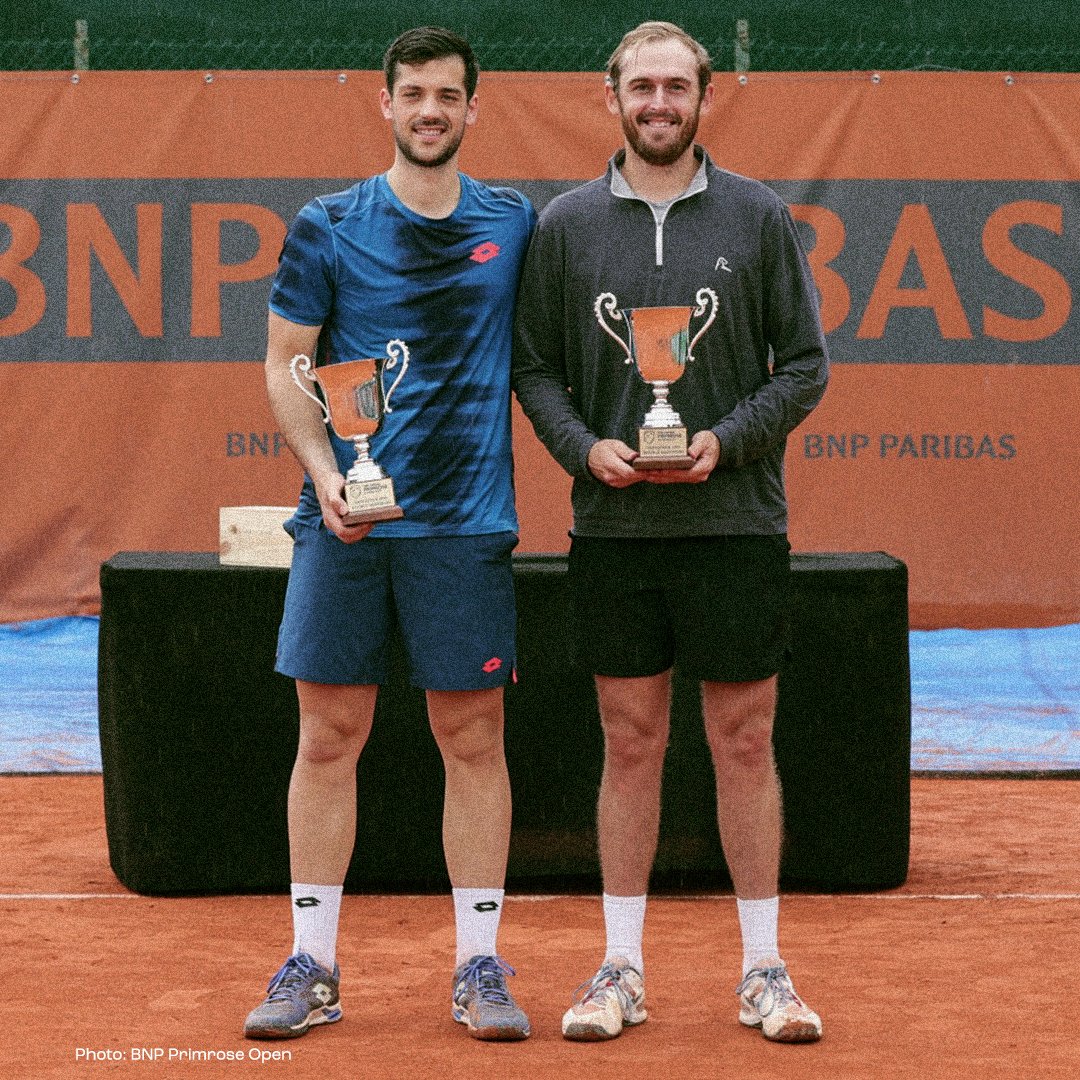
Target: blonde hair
659	31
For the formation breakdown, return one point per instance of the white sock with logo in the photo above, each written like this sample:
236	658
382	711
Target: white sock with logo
624	923
758	923
315	910
476	915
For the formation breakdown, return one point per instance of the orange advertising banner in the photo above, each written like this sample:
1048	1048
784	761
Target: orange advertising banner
141	216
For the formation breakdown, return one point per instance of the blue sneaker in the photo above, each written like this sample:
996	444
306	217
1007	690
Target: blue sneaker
482	1002
299	996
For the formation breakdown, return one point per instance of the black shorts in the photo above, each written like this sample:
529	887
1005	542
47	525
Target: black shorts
719	605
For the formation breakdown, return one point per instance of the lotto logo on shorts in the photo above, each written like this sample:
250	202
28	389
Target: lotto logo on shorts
492	665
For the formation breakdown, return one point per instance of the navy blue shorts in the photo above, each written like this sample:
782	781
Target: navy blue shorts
452	597
716	605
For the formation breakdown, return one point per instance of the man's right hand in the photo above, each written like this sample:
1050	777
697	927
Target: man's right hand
331	493
609	461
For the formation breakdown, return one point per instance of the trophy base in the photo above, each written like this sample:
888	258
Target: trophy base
371	500
645	464
662	448
385	513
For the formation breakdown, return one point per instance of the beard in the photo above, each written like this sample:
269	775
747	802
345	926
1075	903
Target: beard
666	154
435	162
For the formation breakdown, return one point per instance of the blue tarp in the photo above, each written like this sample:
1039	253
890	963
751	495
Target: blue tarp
48	696
988	700
982	700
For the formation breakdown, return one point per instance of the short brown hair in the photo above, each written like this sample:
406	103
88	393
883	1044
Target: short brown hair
425	43
659	31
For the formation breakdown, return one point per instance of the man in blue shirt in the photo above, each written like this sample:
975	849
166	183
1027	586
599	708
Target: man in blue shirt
425	255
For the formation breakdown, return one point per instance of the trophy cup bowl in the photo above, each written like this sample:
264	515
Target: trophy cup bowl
354	401
660	346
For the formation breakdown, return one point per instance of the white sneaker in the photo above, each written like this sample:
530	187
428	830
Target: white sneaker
769	1002
612	999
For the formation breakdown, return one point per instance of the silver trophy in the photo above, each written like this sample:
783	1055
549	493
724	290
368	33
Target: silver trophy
661	347
354	401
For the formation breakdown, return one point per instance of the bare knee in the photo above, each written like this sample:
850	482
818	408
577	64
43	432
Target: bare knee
739	724
635	716
748	747
324	743
468	727
334	724
472	746
634	744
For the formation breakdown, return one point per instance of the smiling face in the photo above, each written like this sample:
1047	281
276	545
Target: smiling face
429	110
658	100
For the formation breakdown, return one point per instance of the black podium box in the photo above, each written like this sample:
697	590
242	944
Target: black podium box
198	736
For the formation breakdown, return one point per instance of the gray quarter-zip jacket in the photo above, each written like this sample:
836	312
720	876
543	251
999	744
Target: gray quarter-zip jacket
757	372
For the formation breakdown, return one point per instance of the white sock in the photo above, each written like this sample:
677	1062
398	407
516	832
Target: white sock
315	911
476	916
624	922
758	922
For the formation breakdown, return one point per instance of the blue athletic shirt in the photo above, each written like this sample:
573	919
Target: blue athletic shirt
367	269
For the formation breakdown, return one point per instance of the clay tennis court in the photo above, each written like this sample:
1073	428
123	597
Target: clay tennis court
966	971
959	408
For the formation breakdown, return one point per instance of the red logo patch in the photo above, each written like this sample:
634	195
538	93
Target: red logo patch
485	252
493	665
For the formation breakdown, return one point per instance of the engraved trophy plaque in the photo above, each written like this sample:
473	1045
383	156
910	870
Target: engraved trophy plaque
354	401
661	347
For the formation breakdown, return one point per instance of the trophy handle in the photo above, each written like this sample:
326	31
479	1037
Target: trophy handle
703	295
302	363
608	302
395	350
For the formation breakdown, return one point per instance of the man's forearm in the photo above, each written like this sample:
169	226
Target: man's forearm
556	422
300	422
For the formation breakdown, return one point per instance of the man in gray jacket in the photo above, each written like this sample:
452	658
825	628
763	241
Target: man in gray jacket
688	559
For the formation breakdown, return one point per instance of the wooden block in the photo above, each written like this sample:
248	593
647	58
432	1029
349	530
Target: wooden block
253	536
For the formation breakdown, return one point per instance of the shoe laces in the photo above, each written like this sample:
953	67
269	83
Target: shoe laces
293	973
487	974
607	977
776	989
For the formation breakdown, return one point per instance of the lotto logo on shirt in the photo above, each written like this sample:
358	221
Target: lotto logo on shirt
485	252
